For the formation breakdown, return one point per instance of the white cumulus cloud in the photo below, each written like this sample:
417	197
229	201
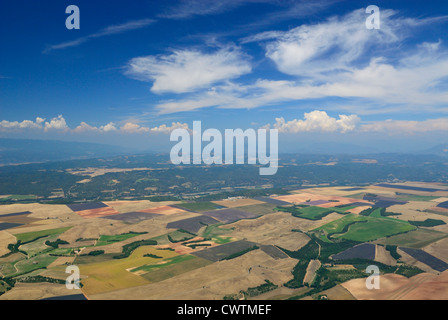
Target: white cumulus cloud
57	123
317	121
188	70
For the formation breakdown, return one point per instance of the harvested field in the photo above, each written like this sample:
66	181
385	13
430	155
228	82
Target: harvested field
198	206
97	213
274	229
342	267
325	201
123	206
426	258
352	189
439	249
22	219
132	217
5	239
192	224
39	211
396	287
315	202
229	215
182	249
383	256
415	188
36	291
337	293
164	210
407	187
259	209
281	293
362	251
223	251
233	203
438	210
61	261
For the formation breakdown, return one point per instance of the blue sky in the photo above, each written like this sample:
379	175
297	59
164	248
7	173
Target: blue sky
135	70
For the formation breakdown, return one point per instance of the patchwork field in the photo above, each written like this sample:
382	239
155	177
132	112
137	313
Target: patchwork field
233	203
115	274
213	281
262	247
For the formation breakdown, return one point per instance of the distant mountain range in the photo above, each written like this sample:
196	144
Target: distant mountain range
16	151
439	150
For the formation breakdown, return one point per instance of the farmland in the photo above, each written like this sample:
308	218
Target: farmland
359	228
293	245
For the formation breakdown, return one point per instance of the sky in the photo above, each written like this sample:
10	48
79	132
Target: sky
136	70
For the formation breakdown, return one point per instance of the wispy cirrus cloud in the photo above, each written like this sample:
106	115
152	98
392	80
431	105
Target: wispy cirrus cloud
185	9
339	58
110	30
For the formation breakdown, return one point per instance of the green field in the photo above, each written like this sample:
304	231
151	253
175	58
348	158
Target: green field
337	226
214	230
94	259
19	197
375	229
30	236
34	247
61	252
177	236
178	267
27	265
376	213
414	239
413	197
166	263
222	240
108	239
360	228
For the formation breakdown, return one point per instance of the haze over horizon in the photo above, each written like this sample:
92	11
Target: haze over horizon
312	70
